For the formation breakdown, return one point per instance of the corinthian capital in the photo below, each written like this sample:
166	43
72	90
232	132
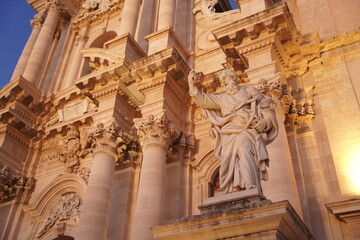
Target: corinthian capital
53	5
110	139
156	131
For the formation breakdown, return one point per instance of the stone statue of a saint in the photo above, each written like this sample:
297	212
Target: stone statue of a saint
243	123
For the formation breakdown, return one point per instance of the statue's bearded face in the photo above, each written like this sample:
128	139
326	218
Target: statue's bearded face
228	81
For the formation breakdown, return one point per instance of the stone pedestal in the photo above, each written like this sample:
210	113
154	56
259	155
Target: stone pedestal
233	201
238	217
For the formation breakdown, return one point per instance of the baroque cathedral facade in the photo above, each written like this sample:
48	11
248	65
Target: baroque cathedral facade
99	138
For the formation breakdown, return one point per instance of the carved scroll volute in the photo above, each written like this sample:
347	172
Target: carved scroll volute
159	131
110	139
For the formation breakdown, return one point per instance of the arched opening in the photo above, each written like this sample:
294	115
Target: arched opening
64	238
97	43
103	38
214	184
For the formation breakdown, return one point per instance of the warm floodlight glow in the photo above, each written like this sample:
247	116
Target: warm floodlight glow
353	167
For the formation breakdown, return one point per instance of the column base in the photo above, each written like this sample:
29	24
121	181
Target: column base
163	39
263	221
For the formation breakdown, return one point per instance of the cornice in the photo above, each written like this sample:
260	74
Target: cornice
84	17
167	61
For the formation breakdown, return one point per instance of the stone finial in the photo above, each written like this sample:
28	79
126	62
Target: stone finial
153	130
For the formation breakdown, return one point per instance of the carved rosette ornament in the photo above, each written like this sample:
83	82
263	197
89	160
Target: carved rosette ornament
67	207
110	139
156	131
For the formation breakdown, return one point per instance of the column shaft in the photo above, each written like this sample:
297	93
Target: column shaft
95	210
281	184
149	206
43	43
166	14
21	64
129	17
75	63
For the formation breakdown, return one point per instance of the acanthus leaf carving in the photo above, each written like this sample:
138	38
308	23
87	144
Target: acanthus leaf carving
156	130
299	113
109	138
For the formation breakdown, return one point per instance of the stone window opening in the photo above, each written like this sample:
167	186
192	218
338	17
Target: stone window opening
214	184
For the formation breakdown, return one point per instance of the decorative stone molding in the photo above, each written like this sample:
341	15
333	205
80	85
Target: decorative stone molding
132	156
110	139
83	172
92	5
159	130
299	113
73	149
72	110
14	185
67	207
94	10
81	38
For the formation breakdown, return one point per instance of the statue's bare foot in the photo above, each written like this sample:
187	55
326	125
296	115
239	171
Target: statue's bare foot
249	186
236	189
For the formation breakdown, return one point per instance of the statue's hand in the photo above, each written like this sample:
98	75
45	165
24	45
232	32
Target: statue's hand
192	78
261	125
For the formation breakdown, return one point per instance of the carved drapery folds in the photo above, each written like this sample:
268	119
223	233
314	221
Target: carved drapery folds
67	207
156	131
110	139
14	185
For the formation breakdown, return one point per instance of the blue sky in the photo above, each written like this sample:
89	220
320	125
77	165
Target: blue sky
15	16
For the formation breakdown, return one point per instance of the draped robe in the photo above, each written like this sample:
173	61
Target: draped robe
240	148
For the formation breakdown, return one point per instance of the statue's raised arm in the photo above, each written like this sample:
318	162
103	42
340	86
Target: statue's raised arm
240	116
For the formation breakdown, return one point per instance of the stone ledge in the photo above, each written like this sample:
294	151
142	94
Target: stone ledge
233	201
272	221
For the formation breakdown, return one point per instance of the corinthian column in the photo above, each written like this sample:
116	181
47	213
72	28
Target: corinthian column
155	136
281	184
43	43
129	17
21	64
76	60
105	142
166	14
